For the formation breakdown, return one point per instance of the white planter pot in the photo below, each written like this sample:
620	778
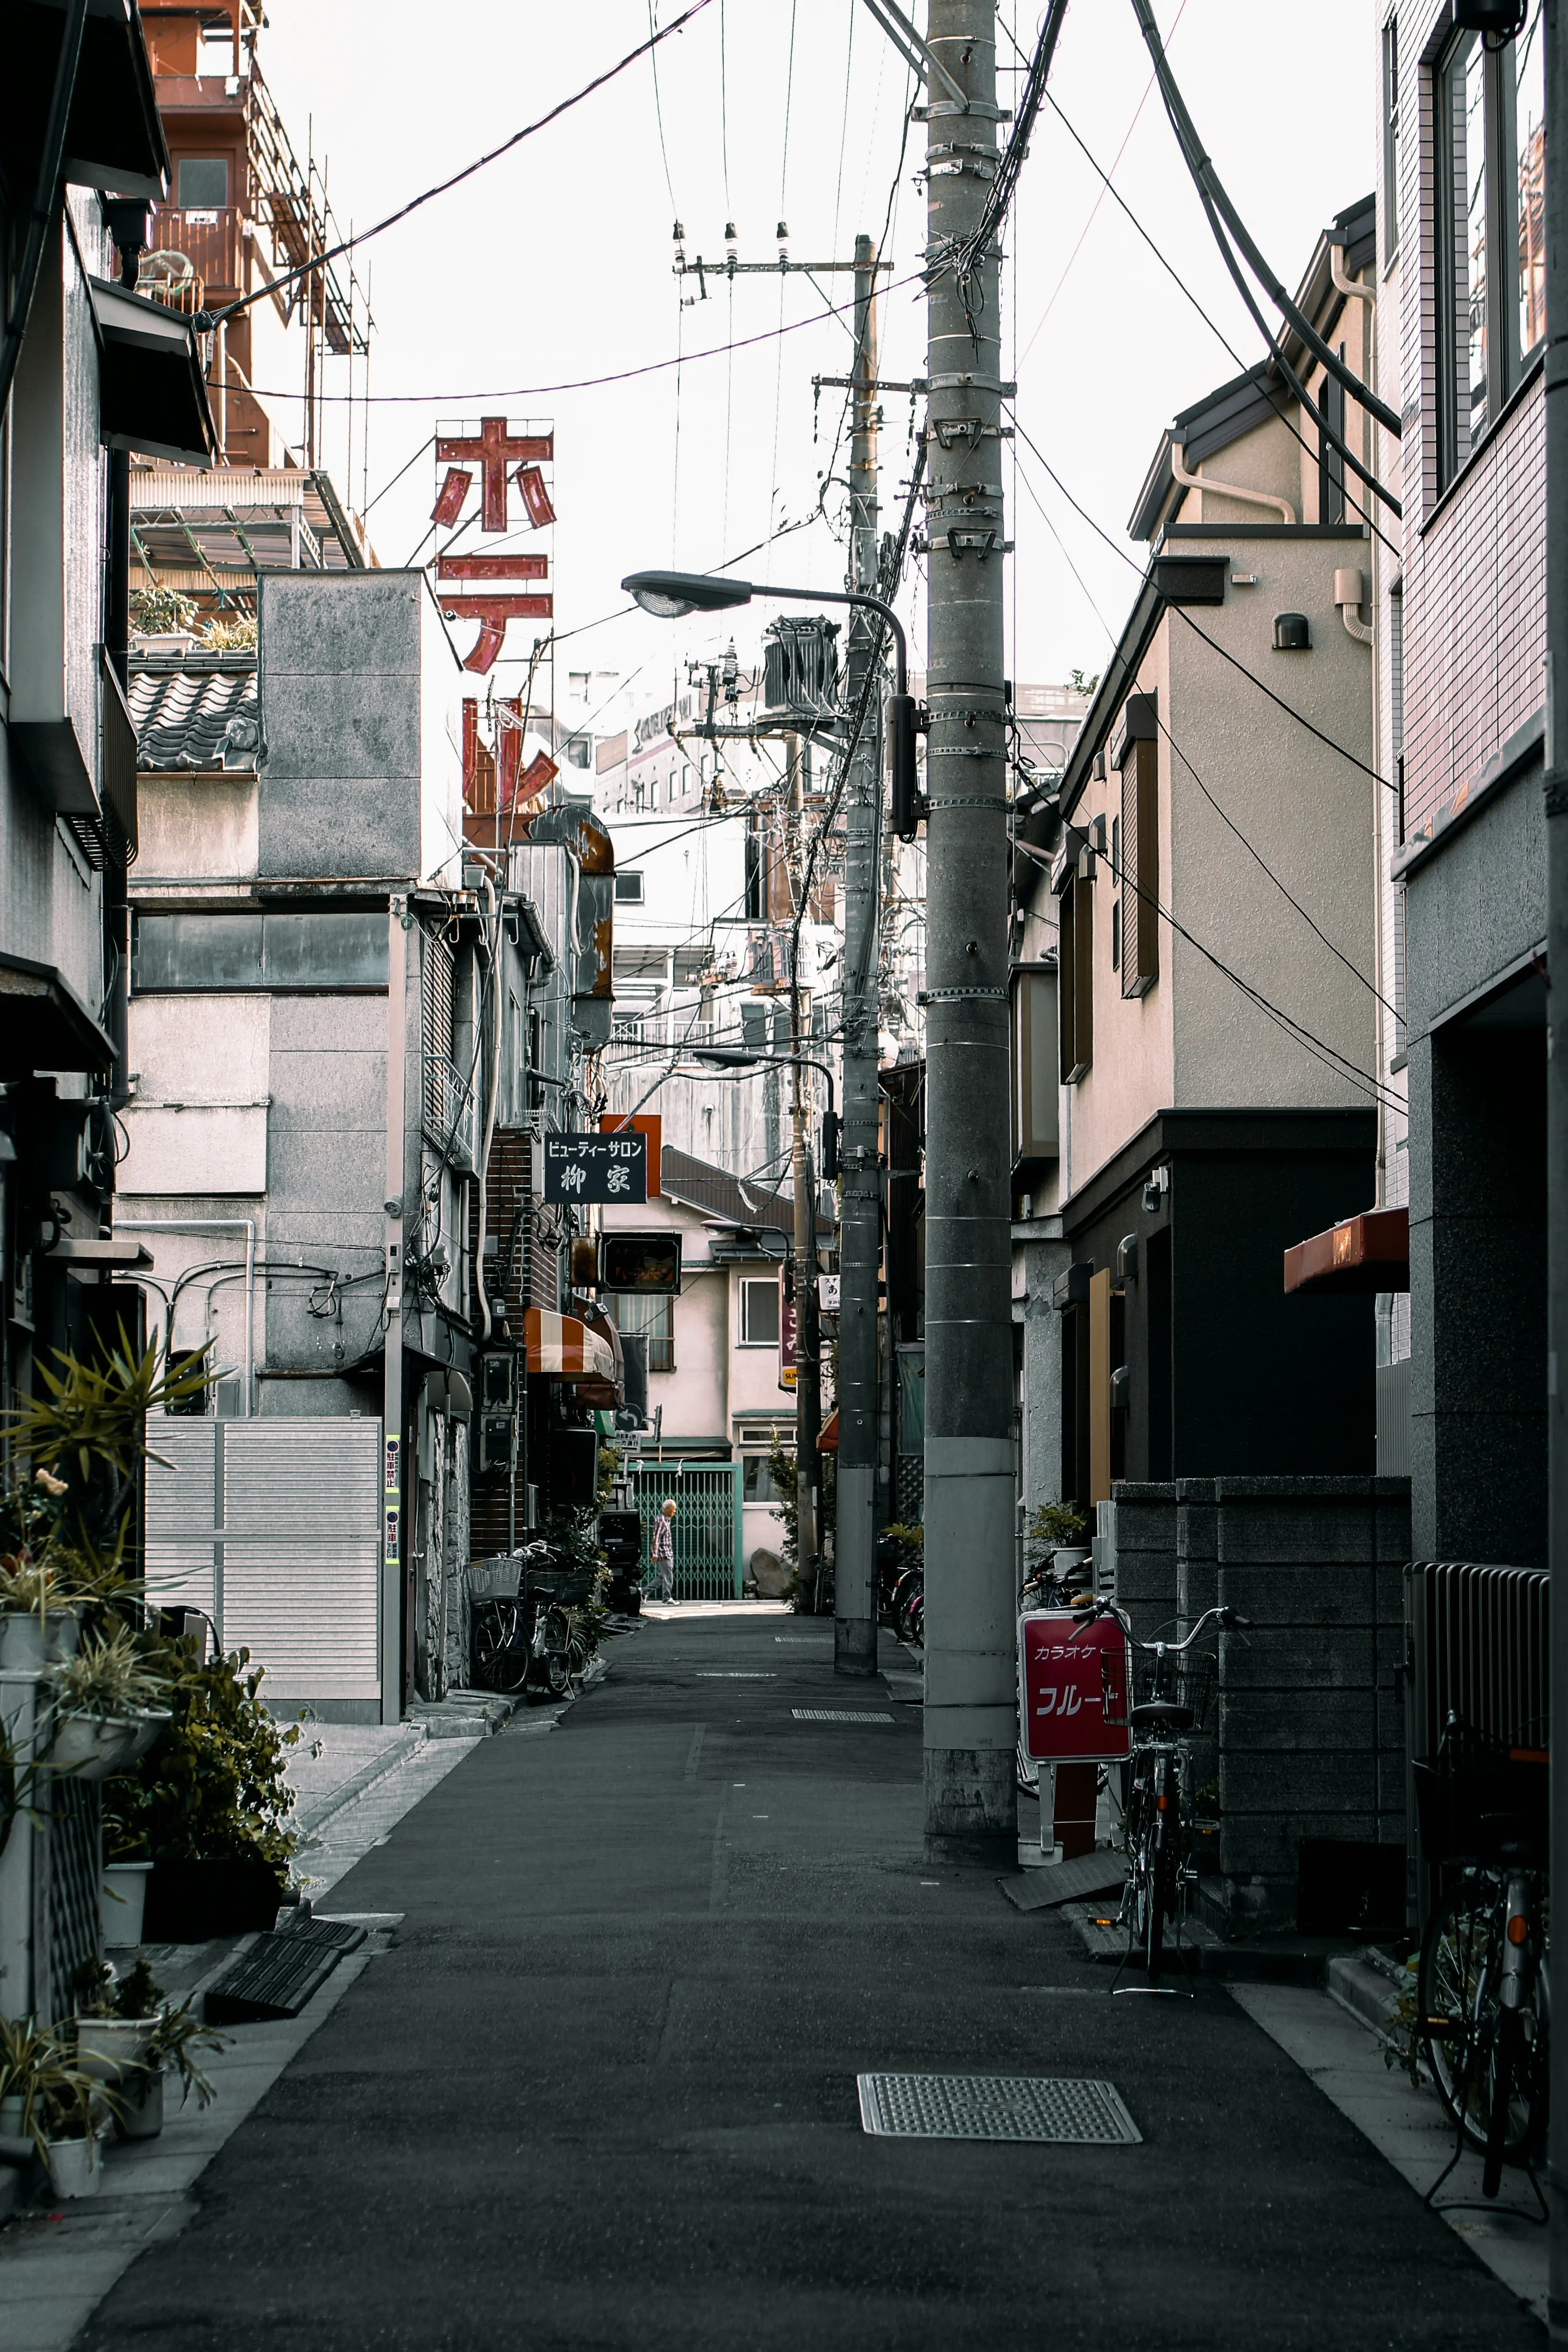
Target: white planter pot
121	1902
76	2167
90	1747
13	2115
111	2048
141	2106
62	1634
150	1728
21	1643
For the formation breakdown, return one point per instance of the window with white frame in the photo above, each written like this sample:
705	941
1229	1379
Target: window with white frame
759	1313
1491	119
1391	138
653	1318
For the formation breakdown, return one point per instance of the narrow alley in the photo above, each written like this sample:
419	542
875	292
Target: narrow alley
600	2089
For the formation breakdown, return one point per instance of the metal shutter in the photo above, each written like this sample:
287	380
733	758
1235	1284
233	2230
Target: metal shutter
182	1516
273	1527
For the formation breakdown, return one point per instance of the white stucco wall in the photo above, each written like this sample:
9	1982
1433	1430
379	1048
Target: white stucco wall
198	1122
1195	1040
195	828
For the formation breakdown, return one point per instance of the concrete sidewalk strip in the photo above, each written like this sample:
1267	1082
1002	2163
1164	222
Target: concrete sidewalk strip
55	2269
1407	2125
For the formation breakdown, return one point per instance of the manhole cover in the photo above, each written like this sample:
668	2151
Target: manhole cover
834	1714
1066	2109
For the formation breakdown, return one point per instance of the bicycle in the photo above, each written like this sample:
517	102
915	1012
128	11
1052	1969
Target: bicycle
1483	1991
1158	1814
526	1637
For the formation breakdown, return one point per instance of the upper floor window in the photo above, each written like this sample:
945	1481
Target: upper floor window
760	1314
1391	139
204	182
1491	246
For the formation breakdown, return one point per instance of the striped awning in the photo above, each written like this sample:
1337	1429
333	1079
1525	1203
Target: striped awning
561	1346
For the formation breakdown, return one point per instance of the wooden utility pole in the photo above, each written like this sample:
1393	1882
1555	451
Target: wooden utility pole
860	1233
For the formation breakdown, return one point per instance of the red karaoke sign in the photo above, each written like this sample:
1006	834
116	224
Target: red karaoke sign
1075	1687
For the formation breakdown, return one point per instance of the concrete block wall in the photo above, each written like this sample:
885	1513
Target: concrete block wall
1197	1590
1310	1726
1135	1555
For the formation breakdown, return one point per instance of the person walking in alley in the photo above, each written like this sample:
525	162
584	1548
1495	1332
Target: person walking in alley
665	1551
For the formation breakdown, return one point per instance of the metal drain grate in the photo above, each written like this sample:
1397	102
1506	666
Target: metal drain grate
280	1971
1068	2110
734	1674
835	1714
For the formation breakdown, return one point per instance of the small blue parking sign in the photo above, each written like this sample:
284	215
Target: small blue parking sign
603	1167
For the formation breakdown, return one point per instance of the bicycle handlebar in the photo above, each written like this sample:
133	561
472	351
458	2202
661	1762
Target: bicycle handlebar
1228	1620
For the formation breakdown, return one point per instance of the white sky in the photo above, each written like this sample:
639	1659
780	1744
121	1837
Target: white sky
554	265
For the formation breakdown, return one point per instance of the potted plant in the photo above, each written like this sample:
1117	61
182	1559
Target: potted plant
53	2105
122	1900
39	1619
109	1702
128	2037
211	1804
178	2034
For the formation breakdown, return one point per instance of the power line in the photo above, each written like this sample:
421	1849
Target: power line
470	399
1319	1047
659	116
1223	814
363	236
1288	708
1182	286
1215	201
1094	211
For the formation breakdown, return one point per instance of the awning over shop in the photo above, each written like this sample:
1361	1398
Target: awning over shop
153	399
828	1442
1363	1255
604	1395
559	1346
114	139
44	1024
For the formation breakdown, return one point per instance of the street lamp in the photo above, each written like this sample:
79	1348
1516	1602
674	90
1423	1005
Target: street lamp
668	595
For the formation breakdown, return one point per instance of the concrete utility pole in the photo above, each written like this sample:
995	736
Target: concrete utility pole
854	1556
1556	803
807	1375
970	1714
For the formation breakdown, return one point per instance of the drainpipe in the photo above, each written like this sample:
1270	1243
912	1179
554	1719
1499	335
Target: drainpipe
1555	802
1228	489
398	922
246	1225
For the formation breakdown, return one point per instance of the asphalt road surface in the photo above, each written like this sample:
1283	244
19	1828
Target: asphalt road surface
600	2093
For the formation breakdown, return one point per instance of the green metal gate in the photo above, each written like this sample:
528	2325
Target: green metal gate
710	1562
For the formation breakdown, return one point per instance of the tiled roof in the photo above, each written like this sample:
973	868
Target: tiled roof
195	711
714	1189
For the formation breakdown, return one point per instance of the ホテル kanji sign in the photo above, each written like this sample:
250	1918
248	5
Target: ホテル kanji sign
502	461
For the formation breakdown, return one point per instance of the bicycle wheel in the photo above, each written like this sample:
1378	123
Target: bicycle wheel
555	1653
500	1654
1459	2020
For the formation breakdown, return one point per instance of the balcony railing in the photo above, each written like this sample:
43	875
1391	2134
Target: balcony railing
209	236
450	1109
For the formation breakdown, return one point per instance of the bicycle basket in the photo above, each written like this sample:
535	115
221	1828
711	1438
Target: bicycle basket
569	1587
1188	1682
